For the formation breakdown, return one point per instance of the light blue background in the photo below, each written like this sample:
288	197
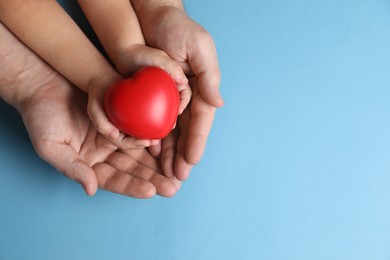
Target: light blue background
297	165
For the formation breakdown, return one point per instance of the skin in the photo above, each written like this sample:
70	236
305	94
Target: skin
166	26
119	31
48	30
54	113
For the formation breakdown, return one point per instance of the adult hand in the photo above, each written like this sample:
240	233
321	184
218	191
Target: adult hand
62	134
166	26
54	113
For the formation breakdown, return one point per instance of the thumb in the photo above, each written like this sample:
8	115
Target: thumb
203	61
100	120
208	85
81	172
65	159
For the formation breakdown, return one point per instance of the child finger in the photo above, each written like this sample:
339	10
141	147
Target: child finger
185	96
162	60
101	121
125	141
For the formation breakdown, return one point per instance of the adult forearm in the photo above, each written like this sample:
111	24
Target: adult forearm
22	72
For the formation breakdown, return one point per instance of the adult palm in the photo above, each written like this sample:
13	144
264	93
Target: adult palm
62	134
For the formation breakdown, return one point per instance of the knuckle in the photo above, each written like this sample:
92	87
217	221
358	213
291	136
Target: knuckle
203	36
162	55
176	67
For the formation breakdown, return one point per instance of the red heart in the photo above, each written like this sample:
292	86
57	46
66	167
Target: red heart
144	106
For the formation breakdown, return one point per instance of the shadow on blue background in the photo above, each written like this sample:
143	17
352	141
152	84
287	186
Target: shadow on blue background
297	165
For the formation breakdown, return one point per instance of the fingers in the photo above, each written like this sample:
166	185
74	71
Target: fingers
135	170
195	125
199	126
109	131
168	154
145	56
128	142
185	96
141	56
199	130
100	120
202	57
162	60
65	159
173	157
116	181
182	166
155	149
142	157
81	172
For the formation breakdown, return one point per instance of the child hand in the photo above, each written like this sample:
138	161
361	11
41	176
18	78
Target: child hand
101	122
138	56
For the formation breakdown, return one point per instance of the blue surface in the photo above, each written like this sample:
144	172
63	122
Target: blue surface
297	165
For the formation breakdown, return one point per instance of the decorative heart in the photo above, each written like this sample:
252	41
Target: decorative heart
144	106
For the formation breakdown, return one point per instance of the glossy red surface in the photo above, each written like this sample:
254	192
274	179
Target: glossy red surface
144	106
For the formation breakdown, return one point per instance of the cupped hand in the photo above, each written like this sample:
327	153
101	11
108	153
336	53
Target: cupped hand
62	134
99	118
138	56
170	29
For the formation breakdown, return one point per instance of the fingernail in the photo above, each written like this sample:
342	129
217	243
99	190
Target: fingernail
114	134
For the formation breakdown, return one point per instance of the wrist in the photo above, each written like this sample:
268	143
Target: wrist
22	77
124	58
156	21
143	7
102	81
151	14
22	72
